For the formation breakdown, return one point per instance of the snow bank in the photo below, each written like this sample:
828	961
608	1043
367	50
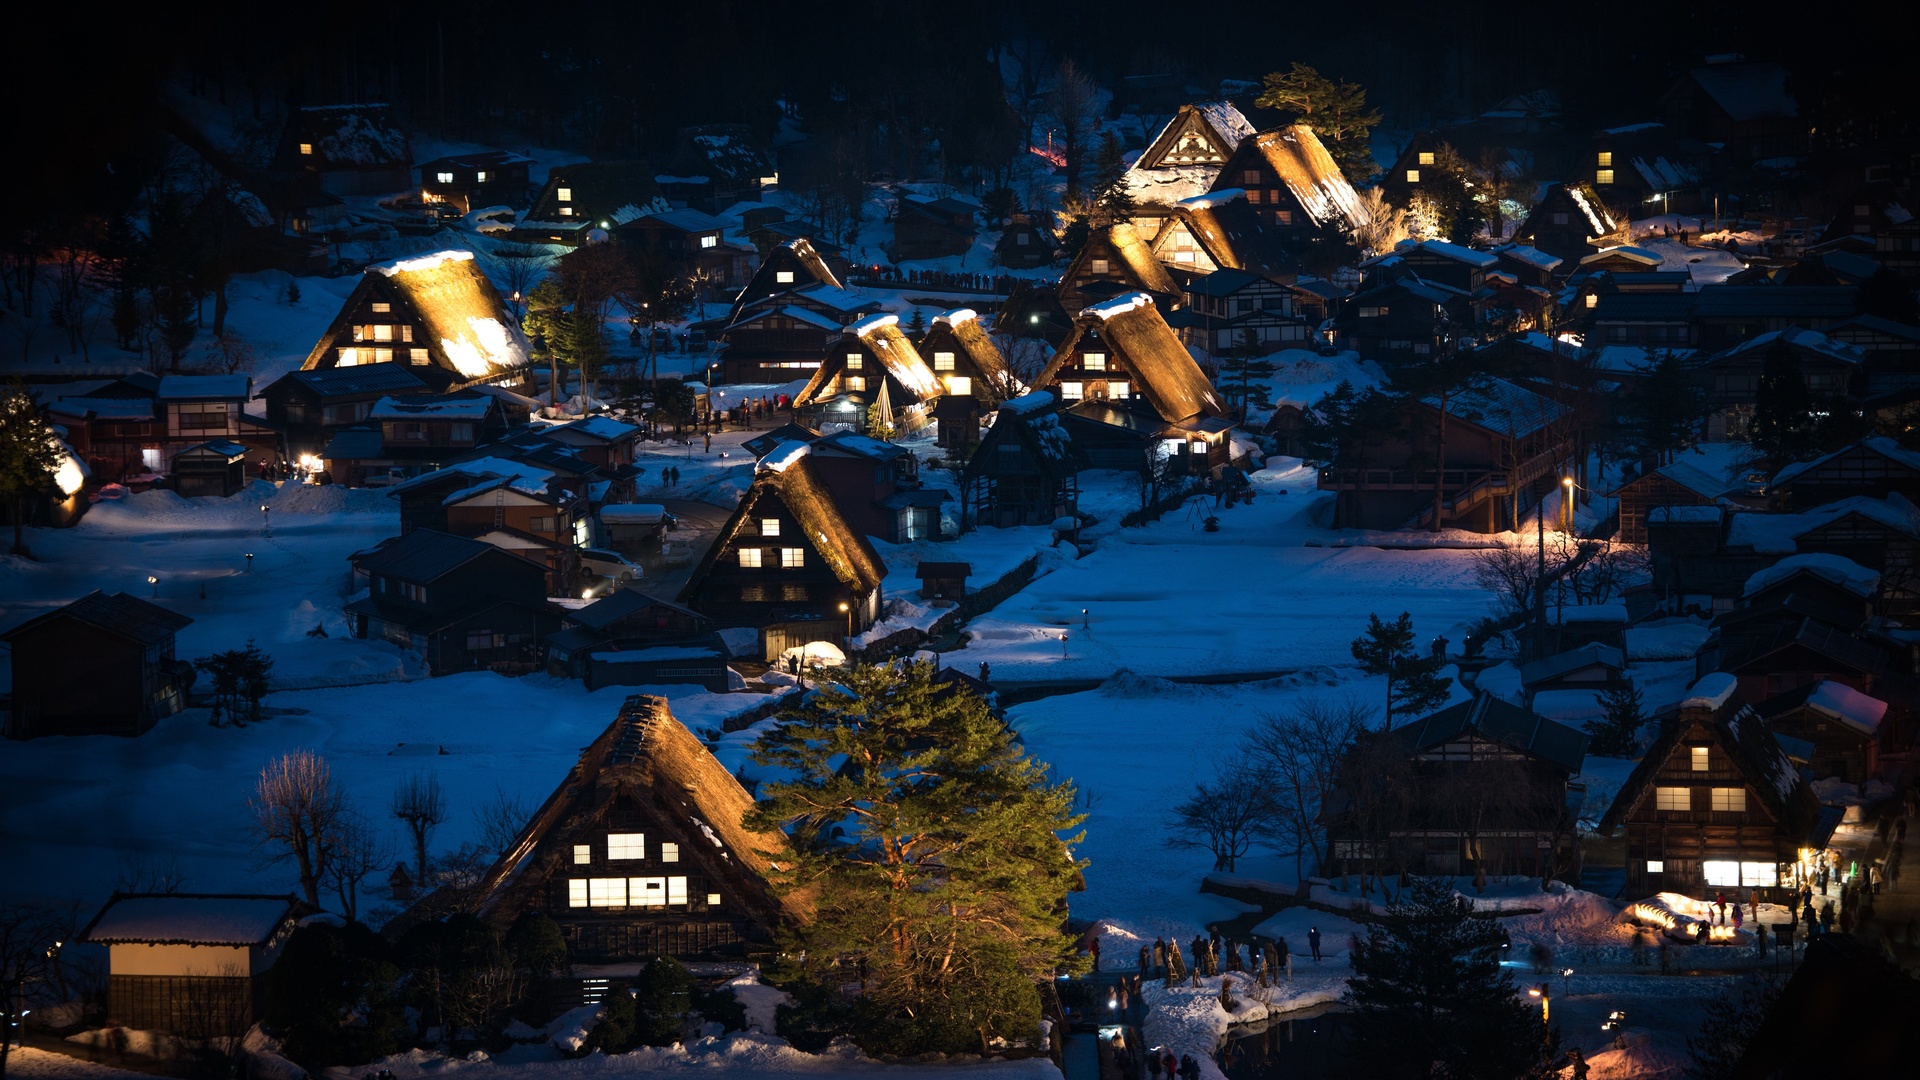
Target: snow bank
1670	640
1189	1020
1711	692
784	455
739	1056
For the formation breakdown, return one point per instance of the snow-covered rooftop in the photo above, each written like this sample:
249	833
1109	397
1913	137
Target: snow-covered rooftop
868	325
1879	444
1847	705
1031	404
1712	691
1635	254
783	456
955	317
420	262
188	919
409	408
1119	305
1836	569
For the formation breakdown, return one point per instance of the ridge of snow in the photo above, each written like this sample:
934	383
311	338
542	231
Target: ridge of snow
1029	404
955	317
1711	691
1119	305
784	455
1837	569
422	262
871	323
1211	199
1847	705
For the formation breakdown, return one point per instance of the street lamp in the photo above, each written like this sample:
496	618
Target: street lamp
266	522
1565	974
1084	624
155	582
710	368
249	562
847	610
1566	504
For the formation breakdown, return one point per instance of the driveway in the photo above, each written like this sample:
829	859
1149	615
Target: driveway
699	526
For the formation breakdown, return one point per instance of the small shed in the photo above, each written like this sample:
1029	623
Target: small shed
944	580
1590	667
630	526
217	468
700	662
190	964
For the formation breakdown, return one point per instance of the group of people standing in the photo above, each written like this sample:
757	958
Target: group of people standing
1268	961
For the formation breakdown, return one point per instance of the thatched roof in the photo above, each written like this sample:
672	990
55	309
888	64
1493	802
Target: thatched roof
1159	365
1032	421
468	329
1135	260
650	757
1225	226
962	327
882	336
1310	173
787	475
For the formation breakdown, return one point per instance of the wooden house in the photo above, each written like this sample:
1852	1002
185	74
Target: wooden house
102	665
437	310
1033	311
191	965
116	437
971	371
1216	231
1828	368
686	243
876	487
600	440
1569	222
1743	107
347	149
788	562
1407	320
469	182
1636	164
929	228
874	365
1726	315
1233	312
589	195
788	267
641	852
1528	265
626	618
1487	786
1873	466
423	499
1888	344
408	436
463	604
1292	183
1023	245
768	441
1454	267
1025	470
309	407
216	469
1639	320
1589	667
1844	725
943	580
1114	261
788	317
1184	159
701	662
1881	535
1506	445
715	166
1715	803
1677	484
195	409
528	517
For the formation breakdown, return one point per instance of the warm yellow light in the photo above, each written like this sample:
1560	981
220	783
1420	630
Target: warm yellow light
843	607
1567	480
151	580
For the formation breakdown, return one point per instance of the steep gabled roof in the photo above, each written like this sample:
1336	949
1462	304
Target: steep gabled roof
610	191
1033	421
119	614
1225	226
467	327
787	473
349	137
1754	90
359	379
1738	730
621	603
1310	173
1879	445
423	555
648	756
1552	667
962	326
190	919
1502	407
1166	373
1800	339
1509	725
1134	254
882	336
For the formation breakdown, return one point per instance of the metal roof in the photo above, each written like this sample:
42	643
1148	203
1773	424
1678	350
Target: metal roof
618	605
1509	725
423	555
126	616
358	379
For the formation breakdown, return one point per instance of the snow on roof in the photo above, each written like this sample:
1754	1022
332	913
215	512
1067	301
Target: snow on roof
1711	691
1639	255
1598	219
1030	404
1225	119
784	456
1836	569
188	919
526	485
1673	640
420	262
1119	305
1698	481
462	311
1664	174
411	408
1800	338
482	468
191	387
865	326
1879	444
1629	128
1458	253
1748	92
104	408
1780	532
1211	199
1532	256
600	427
955	317
1847	705
1310	173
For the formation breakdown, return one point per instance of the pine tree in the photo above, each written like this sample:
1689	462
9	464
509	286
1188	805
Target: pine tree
1783	427
1337	112
27	457
1733	1018
1430	998
1112	201
1414	683
947	885
1614	735
1667	412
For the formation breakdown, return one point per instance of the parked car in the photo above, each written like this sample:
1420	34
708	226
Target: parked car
609	564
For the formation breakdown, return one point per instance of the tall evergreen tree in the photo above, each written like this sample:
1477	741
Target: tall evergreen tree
1337	112
1614	733
1112	201
1784	428
1430	998
1414	683
27	457
1668	411
946	888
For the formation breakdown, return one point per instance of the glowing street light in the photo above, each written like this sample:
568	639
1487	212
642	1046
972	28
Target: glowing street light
1566	504
266	522
249	562
155	582
1084	624
848	612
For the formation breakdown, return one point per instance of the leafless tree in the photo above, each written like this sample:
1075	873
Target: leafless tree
30	942
1026	357
1298	755
419	804
1486	792
1224	815
297	817
357	854
1381	225
139	874
520	266
231	354
501	820
1376	778
1073	108
1512	574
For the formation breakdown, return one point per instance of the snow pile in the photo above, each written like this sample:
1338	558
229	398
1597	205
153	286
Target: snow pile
423	262
1119	305
1190	1020
1836	569
759	1000
871	323
1036	402
1847	705
1713	691
1673	639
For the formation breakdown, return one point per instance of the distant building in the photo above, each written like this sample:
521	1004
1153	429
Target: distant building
469	182
1640	169
348	149
714	166
406	436
1569	223
463	604
626	619
873	365
971	371
788	317
1678	484
1742	106
437	310
1023	245
589	195
191	965
1113	262
1025	470
1292	183
1184	159
102	665
309	407
929	228
687	242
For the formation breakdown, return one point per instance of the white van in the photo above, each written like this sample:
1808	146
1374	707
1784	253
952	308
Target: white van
609	564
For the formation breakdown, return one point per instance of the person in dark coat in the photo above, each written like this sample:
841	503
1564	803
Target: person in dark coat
1146	960
1093	949
1159	956
1313	942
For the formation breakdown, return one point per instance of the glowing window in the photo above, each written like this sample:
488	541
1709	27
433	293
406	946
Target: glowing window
607	892
582	854
306	149
1097	266
1119	390
1593	301
1603	176
1413	176
1071	391
444	178
419	356
383	332
1759	873
381	307
943	361
564	194
648	891
750	558
1604	159
577	893
1673	798
1730	799
769	526
1721	871
676	890
959	385
1426	157
1656	866
856	382
793	558
631	845
855	361
349	356
713	899
669	852
1093	361
480	176
1198	446
783	277
1699	755
709	241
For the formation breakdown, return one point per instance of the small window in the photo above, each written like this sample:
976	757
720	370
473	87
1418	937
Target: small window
306	149
564	194
1604	159
1093	361
565	211
577	892
669	852
444	178
629	845
1097	266
480	176
381	307
713	899
783	277
1413	176
793	558
1673	798
769	526
855	361
1198	446
1700	757
709	241
1603	176
1282	217
959	385
856	382
1118	391
1593	301
419	356
750	557
582	854
1426	157
1731	800
382	331
1251	176
1071	391
1559	219
943	361
1656	866
1022	239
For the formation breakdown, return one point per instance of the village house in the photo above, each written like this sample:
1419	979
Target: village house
1846	728
1025	470
625	619
1407	320
102	665
788	562
423	499
1727	315
589	195
1216	231
1888	344
714	166
1803	618
310	407
1506	446
1741	106
929	228
1480	787
1830	370
872	375
1023	245
687	243
1239	312
971	371
528	517
1873	466
117	436
348	149
1114	261
469	182
641	852
1715	803
191	965
1633	165
876	487
213	469
407	436
598	440
1676	484
788	317
197	408
1292	183
1569	222
1589	667
1662	320
1183	160
463	604
1033	311
437	310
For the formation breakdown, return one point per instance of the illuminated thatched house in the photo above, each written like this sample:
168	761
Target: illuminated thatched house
971	371
1292	183
436	310
1215	231
641	852
874	364
1183	160
1114	261
788	562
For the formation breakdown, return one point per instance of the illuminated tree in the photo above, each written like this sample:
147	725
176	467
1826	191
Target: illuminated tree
1337	112
27	457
